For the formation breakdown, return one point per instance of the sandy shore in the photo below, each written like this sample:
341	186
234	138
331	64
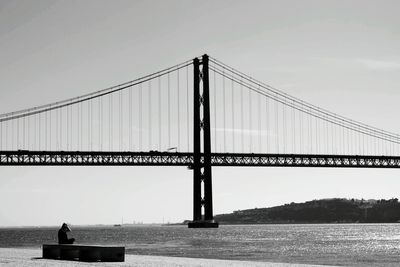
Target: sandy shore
32	257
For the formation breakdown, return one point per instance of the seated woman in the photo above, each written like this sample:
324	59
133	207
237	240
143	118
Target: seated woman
62	235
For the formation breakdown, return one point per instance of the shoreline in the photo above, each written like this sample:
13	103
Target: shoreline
28	257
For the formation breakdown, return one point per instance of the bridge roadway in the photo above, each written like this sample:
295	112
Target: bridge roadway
156	158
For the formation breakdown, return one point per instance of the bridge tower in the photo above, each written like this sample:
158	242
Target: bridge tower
202	183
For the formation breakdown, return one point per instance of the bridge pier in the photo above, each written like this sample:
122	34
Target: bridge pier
202	182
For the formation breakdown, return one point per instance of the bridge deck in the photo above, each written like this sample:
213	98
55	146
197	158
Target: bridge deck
155	158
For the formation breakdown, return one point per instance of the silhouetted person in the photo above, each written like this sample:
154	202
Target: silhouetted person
62	235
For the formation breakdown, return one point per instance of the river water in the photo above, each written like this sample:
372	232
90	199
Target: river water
336	244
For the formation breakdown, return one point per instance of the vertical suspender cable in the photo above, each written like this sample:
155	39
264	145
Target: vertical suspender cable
364	148
89	126
50	130
140	117
23	132
34	133
215	111
78	125
17	120
343	137
293	129
67	127
81	125
348	142
120	120
316	136
130	119
111	129
241	116
233	115
284	125
187	109
169	111
100	104
178	108
60	131
334	136
311	131
276	126
46	131
332	139
56	139
326	136
72	126
250	122
121	134
6	135
259	121
224	108
267	125
159	114
149	117
301	130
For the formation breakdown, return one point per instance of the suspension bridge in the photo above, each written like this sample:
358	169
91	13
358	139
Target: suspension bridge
200	113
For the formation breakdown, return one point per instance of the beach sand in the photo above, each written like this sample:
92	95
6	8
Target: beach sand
32	257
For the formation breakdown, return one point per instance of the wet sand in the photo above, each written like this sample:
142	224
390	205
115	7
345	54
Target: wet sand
32	257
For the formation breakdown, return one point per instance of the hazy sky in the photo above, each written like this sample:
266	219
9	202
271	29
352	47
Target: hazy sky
341	55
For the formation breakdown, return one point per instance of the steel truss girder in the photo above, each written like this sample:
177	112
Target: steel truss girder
305	160
154	158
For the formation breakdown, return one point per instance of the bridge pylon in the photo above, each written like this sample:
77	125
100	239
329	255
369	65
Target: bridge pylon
202	182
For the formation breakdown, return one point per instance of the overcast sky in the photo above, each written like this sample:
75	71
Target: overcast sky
340	55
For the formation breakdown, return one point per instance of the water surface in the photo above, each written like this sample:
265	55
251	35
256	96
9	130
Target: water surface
336	244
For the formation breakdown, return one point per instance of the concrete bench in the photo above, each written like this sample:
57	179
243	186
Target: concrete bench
84	252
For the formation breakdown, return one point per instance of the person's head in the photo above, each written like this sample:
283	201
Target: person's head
65	227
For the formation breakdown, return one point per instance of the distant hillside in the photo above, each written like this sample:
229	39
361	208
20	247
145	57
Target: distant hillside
319	211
